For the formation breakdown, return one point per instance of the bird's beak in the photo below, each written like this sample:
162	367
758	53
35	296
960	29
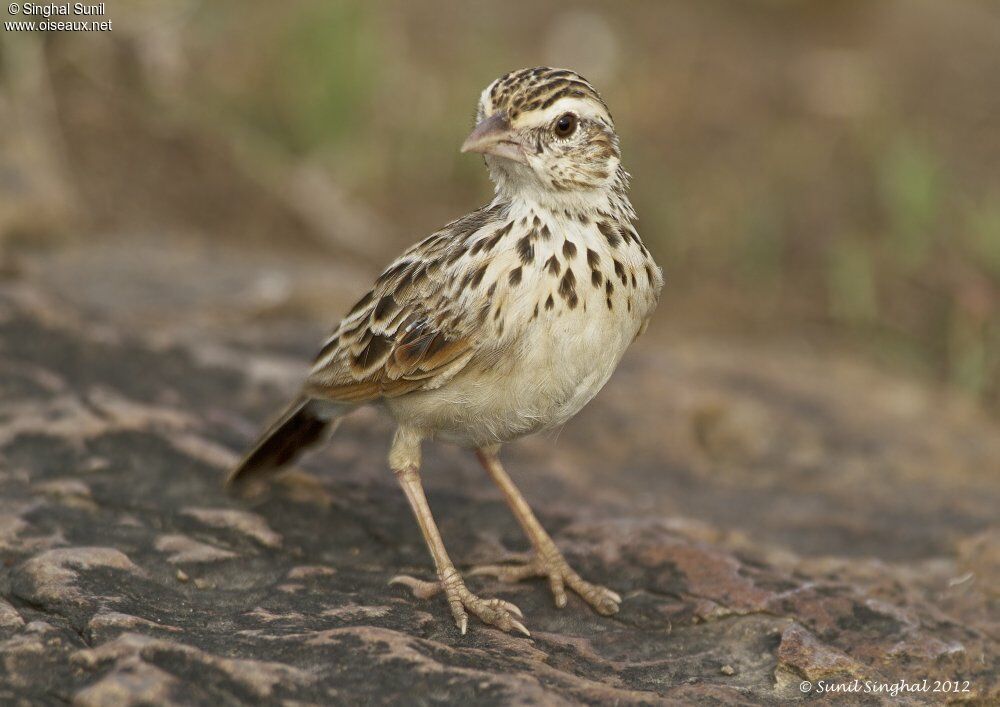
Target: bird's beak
494	136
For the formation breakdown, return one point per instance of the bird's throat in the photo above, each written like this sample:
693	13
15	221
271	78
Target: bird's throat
529	194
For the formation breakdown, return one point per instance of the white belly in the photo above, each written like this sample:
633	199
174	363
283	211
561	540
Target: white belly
562	361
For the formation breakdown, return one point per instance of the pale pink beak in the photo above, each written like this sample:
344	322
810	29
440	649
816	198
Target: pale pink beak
494	136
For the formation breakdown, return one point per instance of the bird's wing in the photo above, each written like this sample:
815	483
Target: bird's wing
408	332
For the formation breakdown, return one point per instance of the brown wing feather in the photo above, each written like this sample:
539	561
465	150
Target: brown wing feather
404	334
397	366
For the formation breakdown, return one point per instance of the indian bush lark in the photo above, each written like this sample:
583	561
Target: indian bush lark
505	322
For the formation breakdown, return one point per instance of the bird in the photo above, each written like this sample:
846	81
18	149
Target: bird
503	323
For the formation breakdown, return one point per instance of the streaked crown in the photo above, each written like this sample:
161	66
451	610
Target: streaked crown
537	89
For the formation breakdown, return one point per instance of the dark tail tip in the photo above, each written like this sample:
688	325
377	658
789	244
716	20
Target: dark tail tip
298	428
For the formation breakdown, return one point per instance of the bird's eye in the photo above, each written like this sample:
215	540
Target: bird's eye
565	125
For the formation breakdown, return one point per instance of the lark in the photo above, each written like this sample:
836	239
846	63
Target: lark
503	323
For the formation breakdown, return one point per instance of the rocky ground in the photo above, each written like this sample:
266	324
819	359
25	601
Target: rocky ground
771	515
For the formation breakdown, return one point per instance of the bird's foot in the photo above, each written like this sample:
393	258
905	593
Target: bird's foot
494	612
551	564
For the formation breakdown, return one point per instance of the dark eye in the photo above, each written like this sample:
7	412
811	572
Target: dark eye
565	125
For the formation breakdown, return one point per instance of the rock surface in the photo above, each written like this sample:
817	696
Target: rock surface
770	516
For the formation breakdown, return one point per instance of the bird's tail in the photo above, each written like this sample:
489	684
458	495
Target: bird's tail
301	425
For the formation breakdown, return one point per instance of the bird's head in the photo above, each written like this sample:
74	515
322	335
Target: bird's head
547	134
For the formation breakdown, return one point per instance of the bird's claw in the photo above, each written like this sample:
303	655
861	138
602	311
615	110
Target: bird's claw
420	588
553	566
494	612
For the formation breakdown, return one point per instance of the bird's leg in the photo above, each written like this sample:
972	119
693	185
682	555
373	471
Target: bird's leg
405	461
547	560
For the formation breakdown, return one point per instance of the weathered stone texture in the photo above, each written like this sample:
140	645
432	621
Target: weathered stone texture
768	520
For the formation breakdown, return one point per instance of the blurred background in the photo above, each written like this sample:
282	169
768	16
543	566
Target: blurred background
812	171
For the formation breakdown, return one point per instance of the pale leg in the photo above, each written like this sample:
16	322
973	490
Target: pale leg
547	560
405	459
